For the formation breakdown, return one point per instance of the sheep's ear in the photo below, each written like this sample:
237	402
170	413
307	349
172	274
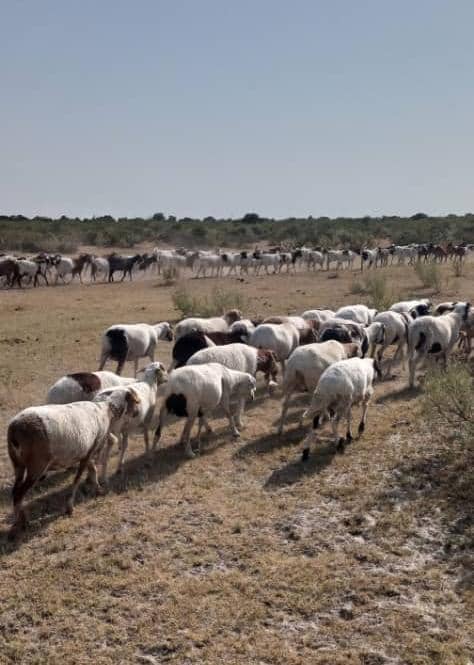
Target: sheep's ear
131	401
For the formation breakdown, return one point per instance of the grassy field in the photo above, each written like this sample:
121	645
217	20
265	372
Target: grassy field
243	555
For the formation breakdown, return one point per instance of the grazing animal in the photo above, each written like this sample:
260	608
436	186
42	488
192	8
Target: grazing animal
282	339
396	326
124	264
145	392
358	313
206	325
83	386
341	386
195	391
305	366
435	336
132	341
57	436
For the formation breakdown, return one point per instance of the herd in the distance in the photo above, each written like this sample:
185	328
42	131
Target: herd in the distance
334	356
48	269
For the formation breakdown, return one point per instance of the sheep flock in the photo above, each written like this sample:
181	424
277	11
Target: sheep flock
336	357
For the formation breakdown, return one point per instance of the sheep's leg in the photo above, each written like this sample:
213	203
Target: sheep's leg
111	439
82	466
186	436
349	422
282	364
159	429
412	369
123	450
92	476
284	408
136	367
365	406
239	411
20	488
120	366
103	359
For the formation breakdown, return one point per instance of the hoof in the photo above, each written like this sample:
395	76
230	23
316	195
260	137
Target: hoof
305	455
69	509
315	422
236	435
340	444
189	454
361	428
349	438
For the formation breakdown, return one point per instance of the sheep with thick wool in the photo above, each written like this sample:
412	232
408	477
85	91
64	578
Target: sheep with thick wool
206	325
242	358
358	313
84	386
196	391
306	365
435	336
343	385
132	341
281	338
57	436
145	392
396	326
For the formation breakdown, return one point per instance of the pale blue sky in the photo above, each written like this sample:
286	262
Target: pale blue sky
220	107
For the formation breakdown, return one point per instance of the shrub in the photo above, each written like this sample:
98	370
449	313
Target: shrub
449	398
216	304
380	296
458	268
357	288
429	275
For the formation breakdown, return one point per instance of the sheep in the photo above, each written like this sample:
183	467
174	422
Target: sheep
195	391
57	436
434	335
195	340
305	366
467	333
415	308
342	385
242	358
444	307
395	332
306	328
146	392
244	326
281	338
358	313
320	315
83	386
344	330
123	342
214	324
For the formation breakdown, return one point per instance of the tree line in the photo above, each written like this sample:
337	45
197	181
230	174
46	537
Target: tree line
66	234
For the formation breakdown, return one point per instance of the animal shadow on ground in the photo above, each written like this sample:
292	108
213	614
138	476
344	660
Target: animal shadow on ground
399	395
137	471
320	457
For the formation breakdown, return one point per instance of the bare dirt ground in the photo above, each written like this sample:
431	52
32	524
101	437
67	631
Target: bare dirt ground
244	554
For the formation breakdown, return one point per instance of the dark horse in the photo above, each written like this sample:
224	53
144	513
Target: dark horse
123	263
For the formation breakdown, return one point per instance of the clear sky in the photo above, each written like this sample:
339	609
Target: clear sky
221	107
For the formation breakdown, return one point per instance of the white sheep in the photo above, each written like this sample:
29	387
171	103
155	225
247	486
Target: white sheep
415	308
195	391
57	436
242	358
83	386
132	341
146	392
212	324
320	315
435	336
341	386
396	326
358	313
305	366
281	338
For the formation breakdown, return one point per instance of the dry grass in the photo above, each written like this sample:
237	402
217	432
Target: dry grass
243	555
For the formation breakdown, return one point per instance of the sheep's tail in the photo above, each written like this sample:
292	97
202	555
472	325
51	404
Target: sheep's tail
118	343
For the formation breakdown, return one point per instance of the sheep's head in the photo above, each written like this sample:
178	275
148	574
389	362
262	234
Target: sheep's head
267	363
246	387
156	371
232	315
122	402
166	332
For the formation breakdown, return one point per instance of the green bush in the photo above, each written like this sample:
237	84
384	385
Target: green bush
219	302
429	275
380	296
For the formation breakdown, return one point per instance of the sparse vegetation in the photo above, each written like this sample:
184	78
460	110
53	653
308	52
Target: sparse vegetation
170	275
457	268
375	287
449	397
429	275
215	304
